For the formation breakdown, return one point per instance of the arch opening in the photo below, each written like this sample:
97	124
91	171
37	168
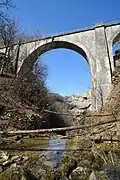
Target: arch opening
64	58
69	75
68	72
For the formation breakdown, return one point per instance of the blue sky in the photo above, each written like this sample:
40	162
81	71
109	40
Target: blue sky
68	72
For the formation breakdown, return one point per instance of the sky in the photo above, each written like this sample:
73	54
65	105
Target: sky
68	71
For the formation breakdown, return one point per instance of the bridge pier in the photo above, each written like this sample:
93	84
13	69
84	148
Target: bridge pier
103	67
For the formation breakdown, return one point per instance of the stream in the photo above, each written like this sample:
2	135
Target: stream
52	154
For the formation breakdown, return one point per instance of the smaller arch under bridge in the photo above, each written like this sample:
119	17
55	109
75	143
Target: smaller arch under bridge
95	44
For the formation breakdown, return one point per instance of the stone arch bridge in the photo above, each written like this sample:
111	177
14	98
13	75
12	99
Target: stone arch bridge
95	44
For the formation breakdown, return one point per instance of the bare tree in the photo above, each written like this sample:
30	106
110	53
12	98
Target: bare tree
8	31
8	35
31	86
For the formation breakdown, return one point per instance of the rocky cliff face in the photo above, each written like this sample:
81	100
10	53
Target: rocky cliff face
78	104
70	108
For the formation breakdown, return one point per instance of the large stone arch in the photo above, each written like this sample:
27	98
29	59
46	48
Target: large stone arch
27	65
32	57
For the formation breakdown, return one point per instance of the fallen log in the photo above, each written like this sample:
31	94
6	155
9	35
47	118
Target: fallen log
80	114
41	149
58	129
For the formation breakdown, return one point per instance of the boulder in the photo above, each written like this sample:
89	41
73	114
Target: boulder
80	173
